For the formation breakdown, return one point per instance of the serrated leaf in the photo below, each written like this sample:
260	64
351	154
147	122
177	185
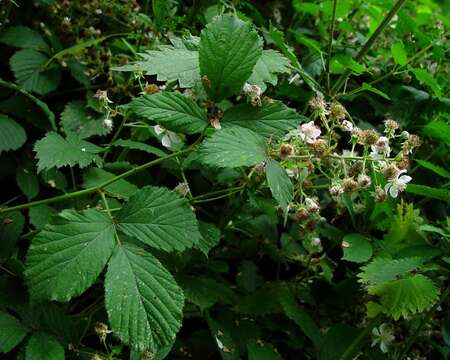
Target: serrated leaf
399	54
28	68
23	37
381	270
229	50
434	168
121	188
12	332
135	145
66	257
263	351
168	64
357	248
40	215
55	151
173	111
76	119
426	78
408	296
270	120
12	135
233	147
210	237
42	346
28	182
267	67
279	183
143	301
159	218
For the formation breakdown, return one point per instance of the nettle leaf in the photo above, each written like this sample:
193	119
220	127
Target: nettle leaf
143	301
407	296
210	237
23	37
233	147
55	151
28	68
357	248
160	218
67	257
279	183
267	67
76	119
272	119
168	64
42	346
12	135
229	50
12	332
173	111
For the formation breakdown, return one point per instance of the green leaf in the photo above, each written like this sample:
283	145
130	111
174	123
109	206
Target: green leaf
408	296
439	130
270	120
210	237
368	87
23	37
428	79
357	248
428	191
76	119
143	301
40	215
267	67
11	227
382	270
28	68
233	147
229	50
159	218
121	188
279	183
173	111
434	168
348	62
169	64
42	346
67	257
399	54
12	332
264	351
337	340
12	135
55	151
28	182
136	145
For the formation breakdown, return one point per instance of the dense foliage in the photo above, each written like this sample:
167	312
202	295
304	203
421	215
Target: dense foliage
224	179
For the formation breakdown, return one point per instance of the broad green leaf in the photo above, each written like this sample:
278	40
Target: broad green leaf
229	50
426	78
12	332
357	248
279	183
248	278
28	68
210	237
270	120
42	346
28	182
168	64
264	351
121	188
399	53
159	218
55	151
67	256
136	145
76	119
143	301
439	130
267	67
434	168
337	340
382	270
233	147
12	135
40	215
368	87
428	191
11	227
348	62
173	111
408	296
23	37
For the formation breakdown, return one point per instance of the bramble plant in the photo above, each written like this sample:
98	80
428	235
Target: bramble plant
224	180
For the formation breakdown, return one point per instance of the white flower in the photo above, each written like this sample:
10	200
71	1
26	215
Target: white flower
381	147
292	172
102	95
309	132
347	125
397	184
364	181
107	123
316	242
253	92
168	138
219	343
383	336
336	190
311	205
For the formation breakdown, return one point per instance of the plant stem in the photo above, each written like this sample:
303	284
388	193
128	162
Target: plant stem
196	201
330	44
115	136
341	80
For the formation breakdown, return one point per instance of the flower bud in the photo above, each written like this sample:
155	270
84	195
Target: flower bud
349	185
364	181
380	194
286	150
337	111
